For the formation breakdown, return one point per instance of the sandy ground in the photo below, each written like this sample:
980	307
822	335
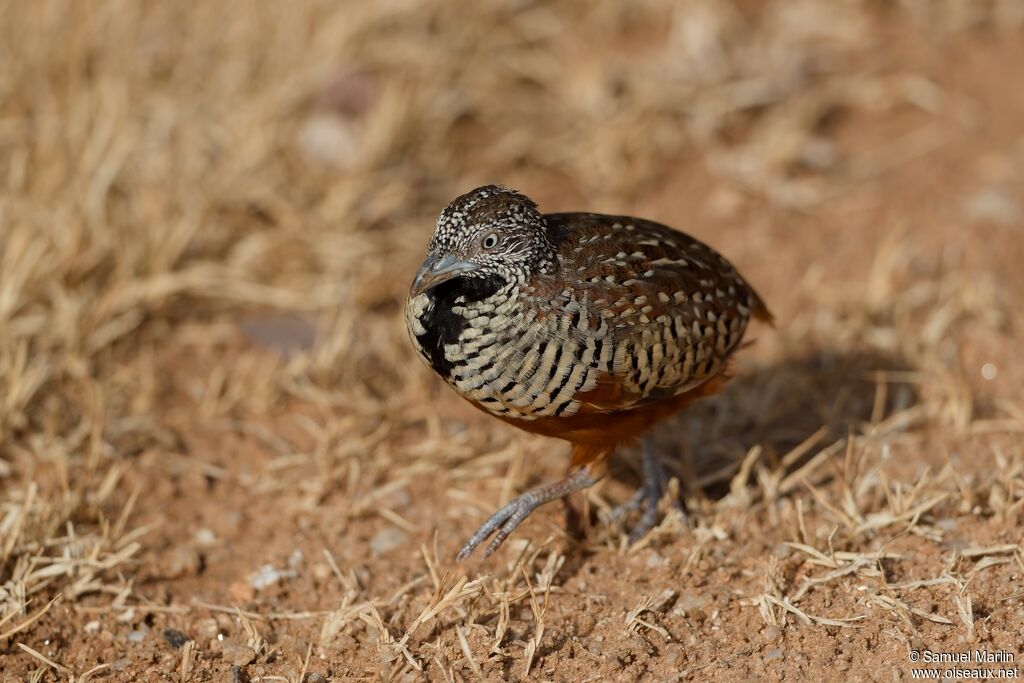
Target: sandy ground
221	460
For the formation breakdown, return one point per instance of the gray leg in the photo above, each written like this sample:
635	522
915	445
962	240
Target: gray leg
505	520
654	486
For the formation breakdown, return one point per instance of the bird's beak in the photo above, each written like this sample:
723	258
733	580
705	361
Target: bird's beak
436	270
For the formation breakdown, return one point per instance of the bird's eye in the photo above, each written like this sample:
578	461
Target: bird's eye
490	242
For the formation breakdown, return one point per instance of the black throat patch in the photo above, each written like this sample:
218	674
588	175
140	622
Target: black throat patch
442	324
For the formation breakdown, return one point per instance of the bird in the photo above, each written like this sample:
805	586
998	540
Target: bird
584	327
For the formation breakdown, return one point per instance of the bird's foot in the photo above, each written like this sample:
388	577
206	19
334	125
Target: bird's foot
620	512
655	484
505	520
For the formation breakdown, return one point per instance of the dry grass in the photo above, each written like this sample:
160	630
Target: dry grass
187	192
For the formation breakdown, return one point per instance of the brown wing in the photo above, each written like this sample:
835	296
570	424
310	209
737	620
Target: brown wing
672	308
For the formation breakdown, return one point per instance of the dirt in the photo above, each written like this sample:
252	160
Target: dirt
294	521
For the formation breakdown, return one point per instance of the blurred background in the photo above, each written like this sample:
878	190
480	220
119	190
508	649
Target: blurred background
209	219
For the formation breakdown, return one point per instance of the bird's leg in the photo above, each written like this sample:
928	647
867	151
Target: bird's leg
655	484
505	520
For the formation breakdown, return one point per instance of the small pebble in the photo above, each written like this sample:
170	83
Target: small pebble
241	592
655	560
239	655
268	575
688	602
992	205
183	561
208	627
205	537
138	635
989	371
175	638
386	539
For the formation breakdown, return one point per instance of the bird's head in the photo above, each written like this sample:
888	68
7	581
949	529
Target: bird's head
489	232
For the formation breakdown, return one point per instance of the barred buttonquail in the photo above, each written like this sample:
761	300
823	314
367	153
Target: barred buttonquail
585	327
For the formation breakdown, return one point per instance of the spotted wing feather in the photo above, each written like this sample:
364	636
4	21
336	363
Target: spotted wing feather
669	309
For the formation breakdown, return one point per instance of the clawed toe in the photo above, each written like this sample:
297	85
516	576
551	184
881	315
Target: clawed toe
650	517
504	521
646	523
620	512
655	485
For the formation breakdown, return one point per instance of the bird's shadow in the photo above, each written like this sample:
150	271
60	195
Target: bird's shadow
776	407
